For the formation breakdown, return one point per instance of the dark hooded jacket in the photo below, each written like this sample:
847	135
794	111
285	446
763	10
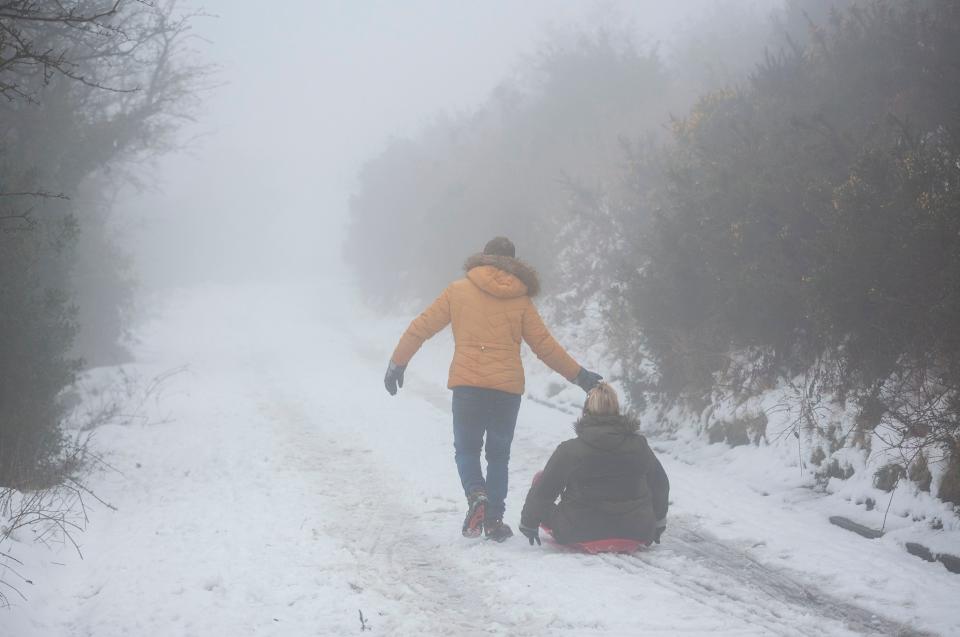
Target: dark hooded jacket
609	482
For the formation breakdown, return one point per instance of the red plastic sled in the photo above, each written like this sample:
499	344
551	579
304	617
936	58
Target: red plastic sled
612	545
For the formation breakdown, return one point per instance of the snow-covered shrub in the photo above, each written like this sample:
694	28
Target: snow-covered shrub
798	238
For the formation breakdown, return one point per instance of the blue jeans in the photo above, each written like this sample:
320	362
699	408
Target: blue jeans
478	411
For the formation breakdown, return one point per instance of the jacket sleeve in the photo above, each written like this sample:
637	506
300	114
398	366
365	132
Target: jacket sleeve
544	494
432	320
547	349
659	486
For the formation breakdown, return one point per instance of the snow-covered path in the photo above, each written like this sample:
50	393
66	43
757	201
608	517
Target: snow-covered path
281	491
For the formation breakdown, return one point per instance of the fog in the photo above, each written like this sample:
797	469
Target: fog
307	307
308	95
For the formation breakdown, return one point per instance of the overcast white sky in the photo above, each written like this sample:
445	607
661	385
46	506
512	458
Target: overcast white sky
314	88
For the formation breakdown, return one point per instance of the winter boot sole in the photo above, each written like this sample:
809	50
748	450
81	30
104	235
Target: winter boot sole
473	525
497	531
499	537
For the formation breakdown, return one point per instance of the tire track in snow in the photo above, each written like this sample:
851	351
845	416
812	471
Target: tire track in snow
751	591
748	578
433	593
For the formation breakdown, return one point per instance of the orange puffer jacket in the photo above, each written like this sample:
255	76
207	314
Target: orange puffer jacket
491	313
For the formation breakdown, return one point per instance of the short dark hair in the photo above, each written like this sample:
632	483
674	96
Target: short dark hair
500	246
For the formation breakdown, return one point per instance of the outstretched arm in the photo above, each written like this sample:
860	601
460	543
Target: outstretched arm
543	495
432	320
547	349
659	487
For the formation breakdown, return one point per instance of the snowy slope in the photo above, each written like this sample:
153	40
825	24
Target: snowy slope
276	489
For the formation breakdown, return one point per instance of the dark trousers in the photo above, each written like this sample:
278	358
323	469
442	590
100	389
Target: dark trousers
478	411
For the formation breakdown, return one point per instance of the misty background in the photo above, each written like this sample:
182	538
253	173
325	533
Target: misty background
736	197
308	96
746	211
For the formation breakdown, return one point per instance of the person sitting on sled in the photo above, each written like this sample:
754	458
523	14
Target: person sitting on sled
610	484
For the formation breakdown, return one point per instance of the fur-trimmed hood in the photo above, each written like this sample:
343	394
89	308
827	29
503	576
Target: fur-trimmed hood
605	432
522	271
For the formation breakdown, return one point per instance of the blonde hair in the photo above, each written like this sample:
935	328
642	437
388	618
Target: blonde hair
602	401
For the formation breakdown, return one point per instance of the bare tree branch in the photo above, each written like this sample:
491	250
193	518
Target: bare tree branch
69	17
37	193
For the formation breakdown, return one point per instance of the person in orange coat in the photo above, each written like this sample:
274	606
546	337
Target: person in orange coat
491	314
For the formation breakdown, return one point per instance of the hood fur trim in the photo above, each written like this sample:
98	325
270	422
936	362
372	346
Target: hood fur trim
626	424
516	267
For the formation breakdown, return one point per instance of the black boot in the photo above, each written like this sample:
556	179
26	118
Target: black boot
496	530
476	510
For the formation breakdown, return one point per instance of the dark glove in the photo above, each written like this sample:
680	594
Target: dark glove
532	534
587	379
394	377
661	527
